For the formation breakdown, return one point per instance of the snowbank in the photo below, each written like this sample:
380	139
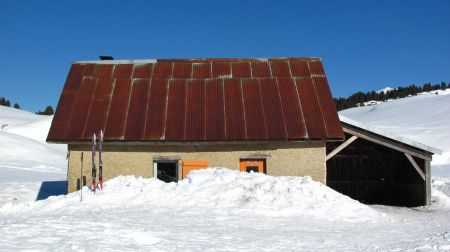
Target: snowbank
216	188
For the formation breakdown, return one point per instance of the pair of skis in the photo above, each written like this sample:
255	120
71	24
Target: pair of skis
100	161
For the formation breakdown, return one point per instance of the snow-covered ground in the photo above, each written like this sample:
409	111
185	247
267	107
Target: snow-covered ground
216	209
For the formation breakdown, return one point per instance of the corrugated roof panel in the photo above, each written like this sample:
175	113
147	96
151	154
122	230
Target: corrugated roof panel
176	109
195	110
123	71
196	100
182	70
316	68
156	112
163	70
214	110
299	69
81	108
89	70
61	119
74	78
103	71
65	106
143	70
276	128
311	109
327	106
201	70
253	109
99	108
295	124
115	125
260	69
221	69
137	109
234	110
241	70
280	69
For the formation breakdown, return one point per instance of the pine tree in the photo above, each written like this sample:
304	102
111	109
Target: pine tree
16	106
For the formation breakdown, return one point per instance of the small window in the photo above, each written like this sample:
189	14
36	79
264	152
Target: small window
255	165
166	170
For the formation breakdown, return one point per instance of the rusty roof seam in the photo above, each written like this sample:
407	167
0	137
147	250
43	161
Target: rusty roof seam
231	70
83	132
132	71
165	111
144	128
210	70
301	108
320	106
269	64
224	109
282	110
290	71
128	109
204	110
186	93
172	70
266	128
109	105
243	108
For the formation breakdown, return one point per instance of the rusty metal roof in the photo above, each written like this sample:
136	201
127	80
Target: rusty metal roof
197	100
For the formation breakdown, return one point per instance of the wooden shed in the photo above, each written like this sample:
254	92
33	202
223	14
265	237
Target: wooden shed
376	167
163	118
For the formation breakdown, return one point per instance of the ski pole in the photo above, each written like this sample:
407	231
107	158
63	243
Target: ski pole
81	177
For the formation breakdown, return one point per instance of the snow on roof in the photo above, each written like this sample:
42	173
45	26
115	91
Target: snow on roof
389	135
142	61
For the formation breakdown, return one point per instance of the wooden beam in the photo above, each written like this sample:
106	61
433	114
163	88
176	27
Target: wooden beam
385	143
415	165
341	147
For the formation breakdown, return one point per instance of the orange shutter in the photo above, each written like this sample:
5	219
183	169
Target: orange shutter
189	165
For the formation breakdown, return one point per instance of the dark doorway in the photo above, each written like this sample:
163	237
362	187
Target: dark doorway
375	174
167	171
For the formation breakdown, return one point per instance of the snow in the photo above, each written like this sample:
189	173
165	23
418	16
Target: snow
26	160
217	209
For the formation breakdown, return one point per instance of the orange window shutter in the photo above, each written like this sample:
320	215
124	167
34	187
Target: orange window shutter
189	165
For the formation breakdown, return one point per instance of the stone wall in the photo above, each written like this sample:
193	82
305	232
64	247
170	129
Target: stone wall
286	158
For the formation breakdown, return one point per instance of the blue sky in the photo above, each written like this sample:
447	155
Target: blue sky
364	45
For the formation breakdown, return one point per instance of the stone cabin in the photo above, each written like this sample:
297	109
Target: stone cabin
166	117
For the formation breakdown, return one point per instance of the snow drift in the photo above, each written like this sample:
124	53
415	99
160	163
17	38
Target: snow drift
216	188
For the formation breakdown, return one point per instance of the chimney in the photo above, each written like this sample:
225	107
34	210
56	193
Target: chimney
106	57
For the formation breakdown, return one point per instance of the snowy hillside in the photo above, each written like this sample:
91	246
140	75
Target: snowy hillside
25	158
424	118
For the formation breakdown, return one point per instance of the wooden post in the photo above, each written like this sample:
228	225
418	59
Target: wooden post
427	182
